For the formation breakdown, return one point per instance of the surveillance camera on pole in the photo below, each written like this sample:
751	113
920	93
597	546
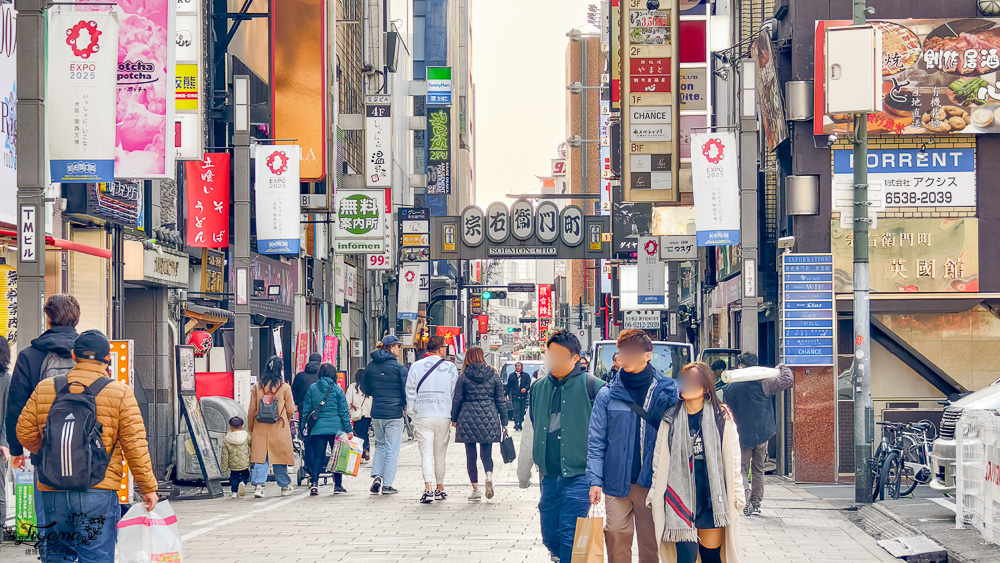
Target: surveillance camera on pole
575	141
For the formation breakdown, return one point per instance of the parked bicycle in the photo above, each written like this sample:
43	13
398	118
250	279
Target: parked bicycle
904	455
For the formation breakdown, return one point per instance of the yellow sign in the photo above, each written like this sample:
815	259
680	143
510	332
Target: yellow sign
187	87
121	367
411	239
913	255
449	238
8	303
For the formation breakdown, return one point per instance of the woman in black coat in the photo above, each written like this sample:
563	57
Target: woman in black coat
478	412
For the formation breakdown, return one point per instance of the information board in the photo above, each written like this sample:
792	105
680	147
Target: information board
808	314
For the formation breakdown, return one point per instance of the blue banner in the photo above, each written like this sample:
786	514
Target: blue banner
718	238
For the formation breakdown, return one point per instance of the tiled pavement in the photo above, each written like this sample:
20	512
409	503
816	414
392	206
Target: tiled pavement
795	525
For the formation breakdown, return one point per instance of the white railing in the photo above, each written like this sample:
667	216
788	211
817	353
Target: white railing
977	472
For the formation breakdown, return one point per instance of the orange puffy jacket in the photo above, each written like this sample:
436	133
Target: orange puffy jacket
117	411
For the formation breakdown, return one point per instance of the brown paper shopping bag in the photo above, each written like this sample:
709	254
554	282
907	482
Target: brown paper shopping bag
588	545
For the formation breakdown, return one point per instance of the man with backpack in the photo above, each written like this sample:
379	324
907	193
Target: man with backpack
429	388
77	428
559	409
49	355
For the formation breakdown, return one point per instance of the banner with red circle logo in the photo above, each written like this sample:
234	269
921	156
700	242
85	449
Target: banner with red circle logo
715	173
277	199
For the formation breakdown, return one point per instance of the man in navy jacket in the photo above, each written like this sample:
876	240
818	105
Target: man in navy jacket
627	415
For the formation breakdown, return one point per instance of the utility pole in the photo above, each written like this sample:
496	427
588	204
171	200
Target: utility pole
31	40
864	426
749	226
241	229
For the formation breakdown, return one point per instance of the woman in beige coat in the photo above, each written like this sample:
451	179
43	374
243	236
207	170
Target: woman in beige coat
697	492
271	409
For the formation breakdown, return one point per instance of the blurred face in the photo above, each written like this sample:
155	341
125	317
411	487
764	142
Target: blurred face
633	358
395	349
691	384
518	367
617	362
559	360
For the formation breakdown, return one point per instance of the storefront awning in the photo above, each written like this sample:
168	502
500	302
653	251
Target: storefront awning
62	244
211	317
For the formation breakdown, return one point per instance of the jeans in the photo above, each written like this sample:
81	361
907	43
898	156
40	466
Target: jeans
485	452
564	499
259	476
753	463
316	458
388	435
361	427
237	477
84	526
433	434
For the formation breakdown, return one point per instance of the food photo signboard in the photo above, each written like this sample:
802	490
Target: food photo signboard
939	77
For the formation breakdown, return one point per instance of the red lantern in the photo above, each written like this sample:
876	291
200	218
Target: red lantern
202	342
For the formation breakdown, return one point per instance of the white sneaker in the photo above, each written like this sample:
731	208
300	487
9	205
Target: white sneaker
258	491
234	495
242	489
285	491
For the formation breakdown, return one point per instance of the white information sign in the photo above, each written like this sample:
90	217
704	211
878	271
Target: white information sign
914	177
378	142
715	174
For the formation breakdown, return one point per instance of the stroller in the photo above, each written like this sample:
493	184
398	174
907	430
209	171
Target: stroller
299	450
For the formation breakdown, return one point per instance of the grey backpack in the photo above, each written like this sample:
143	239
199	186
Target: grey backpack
54	365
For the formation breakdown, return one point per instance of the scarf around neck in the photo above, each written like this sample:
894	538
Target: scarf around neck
680	498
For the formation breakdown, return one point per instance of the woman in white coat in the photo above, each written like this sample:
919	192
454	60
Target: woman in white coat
697	492
360	406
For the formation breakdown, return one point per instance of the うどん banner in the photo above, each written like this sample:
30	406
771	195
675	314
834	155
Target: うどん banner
939	77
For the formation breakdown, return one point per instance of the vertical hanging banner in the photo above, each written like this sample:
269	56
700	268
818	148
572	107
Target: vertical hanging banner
82	46
146	88
188	117
715	175
439	151
652	282
409	291
207	197
378	142
277	198
8	114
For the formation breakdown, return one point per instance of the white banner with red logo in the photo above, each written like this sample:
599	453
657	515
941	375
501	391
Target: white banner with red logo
277	198
8	115
715	173
652	282
81	74
408	302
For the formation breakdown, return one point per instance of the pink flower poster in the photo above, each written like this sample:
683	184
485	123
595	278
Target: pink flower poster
146	89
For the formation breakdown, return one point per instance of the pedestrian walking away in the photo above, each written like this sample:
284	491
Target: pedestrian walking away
560	408
236	457
385	383
361	411
304	380
429	388
5	458
518	383
325	416
695	494
271	409
478	411
753	409
57	424
623	430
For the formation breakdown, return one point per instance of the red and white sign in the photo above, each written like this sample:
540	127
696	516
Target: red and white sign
484	324
330	350
558	167
544	301
649	75
208	201
301	351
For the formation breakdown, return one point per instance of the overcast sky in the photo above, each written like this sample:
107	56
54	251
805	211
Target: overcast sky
518	58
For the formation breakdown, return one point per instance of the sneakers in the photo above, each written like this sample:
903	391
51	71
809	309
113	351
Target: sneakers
489	489
339	490
258	491
476	495
387	490
234	495
376	486
440	495
313	490
427	497
242	489
752	509
285	491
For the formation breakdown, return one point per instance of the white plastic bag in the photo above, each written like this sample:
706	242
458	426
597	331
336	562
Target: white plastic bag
754	373
149	537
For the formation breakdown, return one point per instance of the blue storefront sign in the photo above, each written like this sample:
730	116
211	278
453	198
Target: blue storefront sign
807	313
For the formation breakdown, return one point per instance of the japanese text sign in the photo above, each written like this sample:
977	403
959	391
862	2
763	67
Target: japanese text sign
208	201
716	188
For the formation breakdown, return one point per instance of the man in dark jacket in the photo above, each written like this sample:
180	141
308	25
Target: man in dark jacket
753	410
560	414
51	352
517	390
385	383
304	380
621	443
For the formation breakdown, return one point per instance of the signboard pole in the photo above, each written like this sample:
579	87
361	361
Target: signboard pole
241	229
863	421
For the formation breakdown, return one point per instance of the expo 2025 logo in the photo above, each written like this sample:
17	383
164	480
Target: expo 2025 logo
74	39
410	276
277	163
651	247
706	150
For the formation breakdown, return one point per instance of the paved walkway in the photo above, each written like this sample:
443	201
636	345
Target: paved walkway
795	525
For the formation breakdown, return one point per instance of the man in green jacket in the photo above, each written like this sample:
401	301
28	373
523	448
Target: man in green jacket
560	413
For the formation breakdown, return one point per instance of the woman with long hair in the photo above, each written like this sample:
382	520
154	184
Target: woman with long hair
361	409
478	413
697	491
271	409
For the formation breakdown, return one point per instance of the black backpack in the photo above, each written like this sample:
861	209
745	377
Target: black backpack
73	456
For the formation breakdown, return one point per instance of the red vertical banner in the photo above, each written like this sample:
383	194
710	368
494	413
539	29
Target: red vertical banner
207	198
484	324
544	310
330	350
301	351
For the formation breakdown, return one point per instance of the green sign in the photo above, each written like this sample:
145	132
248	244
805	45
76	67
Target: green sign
338	327
360	221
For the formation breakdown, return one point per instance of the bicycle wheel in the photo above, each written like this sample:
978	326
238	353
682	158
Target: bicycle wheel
911	453
875	467
889	477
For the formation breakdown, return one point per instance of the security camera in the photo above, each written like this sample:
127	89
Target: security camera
652	4
831	140
870	11
786	243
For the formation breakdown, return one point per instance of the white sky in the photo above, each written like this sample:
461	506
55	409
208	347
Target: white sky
518	67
